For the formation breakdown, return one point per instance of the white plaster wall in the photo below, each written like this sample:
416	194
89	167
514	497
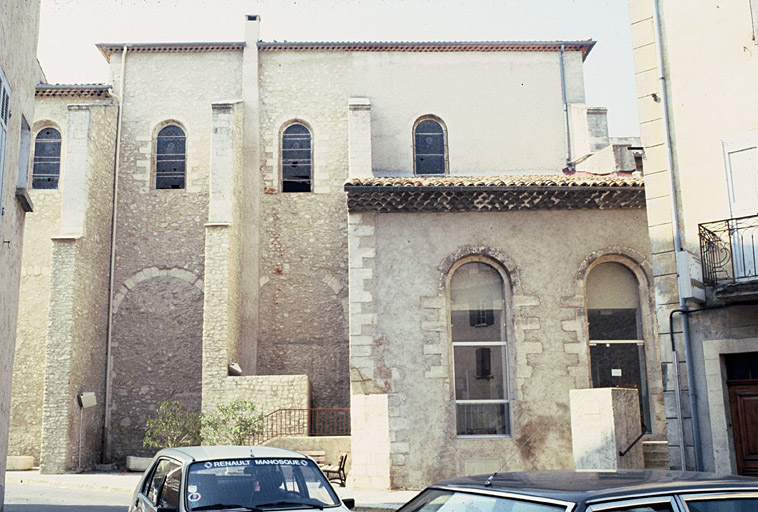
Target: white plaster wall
19	26
502	110
409	354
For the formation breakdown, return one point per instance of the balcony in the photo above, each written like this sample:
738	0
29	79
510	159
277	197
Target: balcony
729	252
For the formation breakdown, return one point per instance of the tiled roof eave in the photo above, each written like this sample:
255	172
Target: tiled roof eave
472	199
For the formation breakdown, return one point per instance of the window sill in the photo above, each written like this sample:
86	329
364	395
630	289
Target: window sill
22	196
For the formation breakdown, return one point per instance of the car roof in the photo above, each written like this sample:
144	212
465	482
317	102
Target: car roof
203	453
594	486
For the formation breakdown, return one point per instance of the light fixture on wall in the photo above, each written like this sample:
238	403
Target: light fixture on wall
85	401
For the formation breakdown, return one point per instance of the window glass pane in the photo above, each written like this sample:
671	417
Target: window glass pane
743	366
647	507
47	159
621	365
613	324
724	505
429	147
434	500
257	483
479	372
430	164
296	159
156	481
170	492
171	158
482	419
476	302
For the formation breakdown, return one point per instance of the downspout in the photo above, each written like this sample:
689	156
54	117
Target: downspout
692	395
111	277
567	133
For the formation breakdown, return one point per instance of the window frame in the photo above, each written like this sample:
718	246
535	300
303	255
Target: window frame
5	114
445	149
642	342
505	320
282	159
156	156
35	156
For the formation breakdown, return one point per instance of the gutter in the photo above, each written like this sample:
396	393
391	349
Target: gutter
683	308
106	441
570	166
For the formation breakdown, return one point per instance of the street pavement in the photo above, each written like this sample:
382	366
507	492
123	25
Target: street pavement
120	486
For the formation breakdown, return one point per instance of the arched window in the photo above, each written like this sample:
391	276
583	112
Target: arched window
46	168
429	147
170	157
617	346
297	165
477	317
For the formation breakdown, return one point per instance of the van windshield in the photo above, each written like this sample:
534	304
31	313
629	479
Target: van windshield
276	484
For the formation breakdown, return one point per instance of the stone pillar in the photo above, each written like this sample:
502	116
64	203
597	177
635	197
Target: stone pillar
221	298
359	137
604	422
370	439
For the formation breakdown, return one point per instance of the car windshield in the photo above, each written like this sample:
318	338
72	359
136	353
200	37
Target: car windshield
258	484
437	500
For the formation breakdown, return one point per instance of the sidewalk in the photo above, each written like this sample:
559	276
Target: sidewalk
365	499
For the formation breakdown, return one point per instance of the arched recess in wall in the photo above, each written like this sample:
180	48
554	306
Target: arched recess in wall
169	155
622	349
156	352
430	148
47	158
296	156
479	292
303	330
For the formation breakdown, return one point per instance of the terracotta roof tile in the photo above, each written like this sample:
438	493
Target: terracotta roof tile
494	193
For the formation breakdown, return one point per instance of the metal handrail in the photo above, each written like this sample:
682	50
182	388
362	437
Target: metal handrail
304	422
729	250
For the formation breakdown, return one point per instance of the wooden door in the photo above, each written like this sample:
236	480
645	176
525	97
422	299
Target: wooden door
743	403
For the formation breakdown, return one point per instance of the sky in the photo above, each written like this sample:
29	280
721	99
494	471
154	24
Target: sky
69	29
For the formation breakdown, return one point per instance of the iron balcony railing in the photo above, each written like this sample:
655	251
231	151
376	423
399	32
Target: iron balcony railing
729	250
305	422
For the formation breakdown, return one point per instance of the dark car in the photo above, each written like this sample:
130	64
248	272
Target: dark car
214	478
579	491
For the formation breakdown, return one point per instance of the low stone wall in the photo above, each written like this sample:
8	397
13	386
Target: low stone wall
332	445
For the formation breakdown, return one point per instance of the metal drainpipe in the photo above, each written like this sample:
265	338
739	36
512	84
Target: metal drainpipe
114	217
565	110
677	248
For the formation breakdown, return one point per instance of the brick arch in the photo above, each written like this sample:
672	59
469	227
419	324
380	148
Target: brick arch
150	273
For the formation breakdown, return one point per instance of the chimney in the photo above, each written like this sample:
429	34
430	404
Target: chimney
252	29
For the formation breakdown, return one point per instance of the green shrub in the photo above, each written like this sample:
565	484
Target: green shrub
173	425
235	423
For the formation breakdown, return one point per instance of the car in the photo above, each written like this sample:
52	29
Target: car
229	478
580	491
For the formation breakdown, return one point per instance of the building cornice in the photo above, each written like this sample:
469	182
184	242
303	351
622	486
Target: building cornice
494	193
108	49
72	91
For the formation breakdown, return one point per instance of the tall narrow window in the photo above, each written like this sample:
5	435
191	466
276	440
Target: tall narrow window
47	159
477	316
617	347
5	114
429	147
297	166
170	157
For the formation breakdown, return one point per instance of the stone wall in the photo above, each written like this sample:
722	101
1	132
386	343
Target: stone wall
160	237
77	316
19	26
399	337
303	239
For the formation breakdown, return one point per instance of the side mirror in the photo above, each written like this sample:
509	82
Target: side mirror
349	503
